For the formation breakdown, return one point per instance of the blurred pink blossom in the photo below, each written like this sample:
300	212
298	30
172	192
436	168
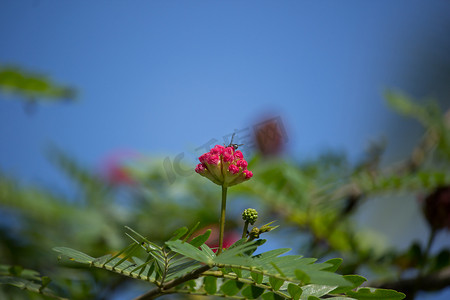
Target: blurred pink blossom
230	237
116	167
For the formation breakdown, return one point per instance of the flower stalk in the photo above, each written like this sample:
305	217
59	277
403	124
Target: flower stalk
244	232
222	218
250	216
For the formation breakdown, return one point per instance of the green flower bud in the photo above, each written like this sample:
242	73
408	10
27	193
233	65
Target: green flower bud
250	215
254	234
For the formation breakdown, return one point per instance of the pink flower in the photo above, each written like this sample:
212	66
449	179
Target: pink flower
248	174
200	168
213	159
239	154
204	157
228	157
228	150
242	163
233	169
224	166
218	149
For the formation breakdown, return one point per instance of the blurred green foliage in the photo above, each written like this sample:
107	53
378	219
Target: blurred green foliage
33	87
27	280
316	199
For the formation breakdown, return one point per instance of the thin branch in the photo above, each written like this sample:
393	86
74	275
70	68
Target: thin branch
430	282
206	294
427	251
164	289
220	274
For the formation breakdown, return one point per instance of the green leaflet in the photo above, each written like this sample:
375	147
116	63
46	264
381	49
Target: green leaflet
230	256
13	270
324	277
278	269
150	270
266	257
191	232
115	264
315	290
231	287
237	271
190	251
271	296
205	248
201	239
190	285
373	294
18	271
302	276
126	253
210	284
355	281
238	243
275	283
152	248
295	291
181	268
252	292
288	264
321	277
257	277
26	279
75	255
179	233
335	263
29	285
141	265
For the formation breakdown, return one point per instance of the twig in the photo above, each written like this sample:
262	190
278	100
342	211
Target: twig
430	282
165	289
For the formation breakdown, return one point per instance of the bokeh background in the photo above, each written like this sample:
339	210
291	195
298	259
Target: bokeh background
160	78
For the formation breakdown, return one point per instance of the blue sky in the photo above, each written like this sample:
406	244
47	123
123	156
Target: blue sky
162	77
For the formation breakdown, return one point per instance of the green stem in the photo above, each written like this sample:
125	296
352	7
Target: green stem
244	233
220	274
222	219
426	253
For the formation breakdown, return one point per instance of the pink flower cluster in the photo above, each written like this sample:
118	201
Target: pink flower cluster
224	166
